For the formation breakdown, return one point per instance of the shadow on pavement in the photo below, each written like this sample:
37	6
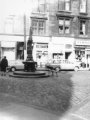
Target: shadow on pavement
52	95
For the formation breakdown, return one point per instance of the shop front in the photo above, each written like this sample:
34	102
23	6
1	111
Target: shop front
40	49
12	50
82	51
62	48
12	47
41	53
58	51
8	50
69	52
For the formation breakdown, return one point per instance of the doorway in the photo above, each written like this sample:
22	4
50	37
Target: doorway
67	54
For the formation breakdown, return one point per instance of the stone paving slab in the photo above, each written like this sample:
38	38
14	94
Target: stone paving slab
84	112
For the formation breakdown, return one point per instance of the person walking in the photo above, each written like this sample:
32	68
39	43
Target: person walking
4	65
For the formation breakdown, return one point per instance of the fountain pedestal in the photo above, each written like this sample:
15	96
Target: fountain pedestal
30	66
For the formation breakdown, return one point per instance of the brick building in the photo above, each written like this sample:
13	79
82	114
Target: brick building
61	30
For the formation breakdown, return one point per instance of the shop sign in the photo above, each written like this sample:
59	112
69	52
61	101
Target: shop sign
7	44
42	46
79	42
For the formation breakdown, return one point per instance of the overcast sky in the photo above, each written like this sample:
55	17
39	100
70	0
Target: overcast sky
10	7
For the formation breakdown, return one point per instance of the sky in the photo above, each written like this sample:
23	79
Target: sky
17	7
10	7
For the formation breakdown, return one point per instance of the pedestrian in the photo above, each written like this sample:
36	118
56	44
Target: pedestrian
4	65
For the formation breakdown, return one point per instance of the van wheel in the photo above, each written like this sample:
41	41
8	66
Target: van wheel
13	69
76	69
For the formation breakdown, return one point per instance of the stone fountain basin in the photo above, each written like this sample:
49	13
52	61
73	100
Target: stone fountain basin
24	74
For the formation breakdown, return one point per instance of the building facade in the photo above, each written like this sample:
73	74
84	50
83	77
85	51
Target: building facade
61	30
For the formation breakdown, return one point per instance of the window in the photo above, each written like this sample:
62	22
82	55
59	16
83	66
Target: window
80	53
83	27
35	26
64	26
41	5
83	6
64	5
38	26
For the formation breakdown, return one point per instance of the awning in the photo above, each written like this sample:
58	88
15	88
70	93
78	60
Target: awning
80	48
68	48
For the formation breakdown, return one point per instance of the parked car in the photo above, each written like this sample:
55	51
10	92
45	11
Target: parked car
15	65
64	65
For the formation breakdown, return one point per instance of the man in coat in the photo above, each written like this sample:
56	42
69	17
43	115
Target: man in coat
4	65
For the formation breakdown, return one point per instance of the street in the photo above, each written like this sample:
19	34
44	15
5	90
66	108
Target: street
80	109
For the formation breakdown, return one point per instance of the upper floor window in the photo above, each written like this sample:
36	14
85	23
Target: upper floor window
64	26
83	27
82	6
41	5
64	5
38	26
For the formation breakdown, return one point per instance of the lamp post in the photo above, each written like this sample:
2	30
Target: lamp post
25	53
27	11
30	46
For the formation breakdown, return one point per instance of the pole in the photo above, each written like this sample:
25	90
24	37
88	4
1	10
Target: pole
25	53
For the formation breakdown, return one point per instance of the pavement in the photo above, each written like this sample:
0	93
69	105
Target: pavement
16	111
10	110
13	111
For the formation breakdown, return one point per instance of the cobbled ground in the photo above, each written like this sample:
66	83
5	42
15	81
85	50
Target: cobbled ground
81	87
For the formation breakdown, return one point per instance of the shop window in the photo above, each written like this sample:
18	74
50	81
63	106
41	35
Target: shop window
64	26
57	56
82	6
42	57
41	53
64	5
80	54
38	26
83	27
20	51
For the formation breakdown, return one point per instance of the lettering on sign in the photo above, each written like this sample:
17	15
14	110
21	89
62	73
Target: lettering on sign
82	42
